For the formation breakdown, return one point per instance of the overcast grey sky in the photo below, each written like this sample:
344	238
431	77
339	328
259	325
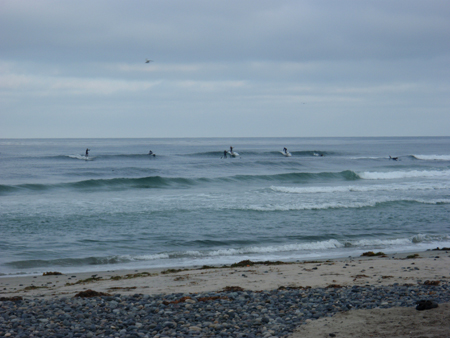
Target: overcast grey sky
224	68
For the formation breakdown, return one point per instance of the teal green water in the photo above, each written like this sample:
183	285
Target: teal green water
121	208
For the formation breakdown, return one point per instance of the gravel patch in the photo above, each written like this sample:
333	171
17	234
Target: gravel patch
232	313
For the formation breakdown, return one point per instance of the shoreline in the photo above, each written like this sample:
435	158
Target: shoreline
340	298
95	269
376	270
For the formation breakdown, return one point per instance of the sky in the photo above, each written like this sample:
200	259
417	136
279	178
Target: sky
247	68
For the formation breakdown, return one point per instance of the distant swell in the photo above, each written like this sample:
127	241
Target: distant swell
144	182
244	153
301	177
160	182
105	184
312	153
105	157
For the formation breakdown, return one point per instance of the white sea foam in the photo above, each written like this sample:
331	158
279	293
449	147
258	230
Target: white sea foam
361	188
317	205
304	248
149	257
312	206
433	201
81	157
391	175
319	245
433	157
339	204
381	242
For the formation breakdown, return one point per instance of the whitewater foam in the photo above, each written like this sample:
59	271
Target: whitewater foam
319	245
81	157
390	175
432	157
354	188
340	204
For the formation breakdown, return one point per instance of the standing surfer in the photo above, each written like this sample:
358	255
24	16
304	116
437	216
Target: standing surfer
285	150
87	152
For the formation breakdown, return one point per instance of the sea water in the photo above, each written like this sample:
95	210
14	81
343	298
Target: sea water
120	208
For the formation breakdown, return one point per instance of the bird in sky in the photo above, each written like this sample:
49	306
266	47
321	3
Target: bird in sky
148	61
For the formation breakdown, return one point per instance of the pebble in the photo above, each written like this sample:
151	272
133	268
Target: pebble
273	313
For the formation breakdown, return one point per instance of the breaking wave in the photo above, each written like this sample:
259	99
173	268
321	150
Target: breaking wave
432	157
216	256
362	188
391	175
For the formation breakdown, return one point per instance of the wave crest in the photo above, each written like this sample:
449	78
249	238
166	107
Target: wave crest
432	157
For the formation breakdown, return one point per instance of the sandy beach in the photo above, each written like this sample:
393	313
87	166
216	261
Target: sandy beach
406	268
376	270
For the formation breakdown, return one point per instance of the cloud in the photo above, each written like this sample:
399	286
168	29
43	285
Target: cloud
54	86
202	31
317	61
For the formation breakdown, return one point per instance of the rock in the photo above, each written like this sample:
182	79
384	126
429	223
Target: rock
51	273
11	299
426	305
91	293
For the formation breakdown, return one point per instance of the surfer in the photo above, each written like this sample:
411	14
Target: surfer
393	158
231	149
150	152
224	154
87	152
285	150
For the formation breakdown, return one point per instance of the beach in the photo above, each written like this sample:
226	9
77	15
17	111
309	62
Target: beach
188	243
428	270
361	271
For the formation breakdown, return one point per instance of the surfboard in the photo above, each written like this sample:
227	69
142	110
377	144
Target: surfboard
81	157
287	154
233	154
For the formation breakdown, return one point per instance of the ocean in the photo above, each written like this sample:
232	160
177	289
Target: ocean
120	208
